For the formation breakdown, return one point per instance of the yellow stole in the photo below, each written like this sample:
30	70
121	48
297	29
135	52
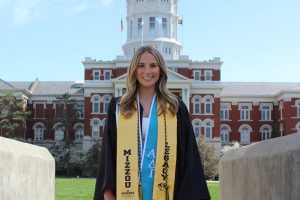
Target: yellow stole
127	158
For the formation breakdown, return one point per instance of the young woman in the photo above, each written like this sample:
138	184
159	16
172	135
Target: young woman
149	149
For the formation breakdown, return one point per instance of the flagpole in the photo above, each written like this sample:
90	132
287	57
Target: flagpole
182	34
121	39
142	32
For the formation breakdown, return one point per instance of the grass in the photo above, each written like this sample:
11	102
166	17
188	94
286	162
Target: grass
83	189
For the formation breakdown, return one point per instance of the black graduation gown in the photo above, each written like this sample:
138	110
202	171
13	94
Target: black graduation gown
190	183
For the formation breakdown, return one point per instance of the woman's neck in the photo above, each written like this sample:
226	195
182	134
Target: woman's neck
146	93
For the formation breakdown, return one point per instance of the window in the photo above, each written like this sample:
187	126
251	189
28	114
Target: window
298	127
164	27
265	132
152	25
197	128
106	104
208	75
224	134
39	109
197	106
131	29
281	108
245	135
266	113
208	130
298	109
38	131
78	132
95	128
107	75
96	104
80	111
140	27
208	106
96	75
245	113
59	132
224	115
197	75
59	110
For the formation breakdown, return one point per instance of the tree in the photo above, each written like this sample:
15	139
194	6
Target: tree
209	161
64	151
275	130
13	114
69	113
92	159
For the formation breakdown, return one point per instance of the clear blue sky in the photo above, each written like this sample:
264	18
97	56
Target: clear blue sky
258	40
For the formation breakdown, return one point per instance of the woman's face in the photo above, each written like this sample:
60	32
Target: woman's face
148	71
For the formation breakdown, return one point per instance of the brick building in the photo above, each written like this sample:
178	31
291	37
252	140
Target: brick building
220	111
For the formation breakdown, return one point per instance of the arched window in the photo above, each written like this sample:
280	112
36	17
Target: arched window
95	124
38	131
265	132
78	129
208	124
197	128
245	134
225	134
59	132
106	101
208	101
197	107
298	108
96	103
298	127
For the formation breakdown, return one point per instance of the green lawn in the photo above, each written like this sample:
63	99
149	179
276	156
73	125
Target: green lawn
83	189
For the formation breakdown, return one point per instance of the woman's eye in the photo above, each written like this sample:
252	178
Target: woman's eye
140	65
153	65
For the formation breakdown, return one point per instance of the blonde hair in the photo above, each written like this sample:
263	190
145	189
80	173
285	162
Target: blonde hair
127	103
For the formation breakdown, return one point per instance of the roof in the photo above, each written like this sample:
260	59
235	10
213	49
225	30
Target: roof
256	88
57	87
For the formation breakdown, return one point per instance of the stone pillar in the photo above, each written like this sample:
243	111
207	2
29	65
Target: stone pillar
265	170
27	171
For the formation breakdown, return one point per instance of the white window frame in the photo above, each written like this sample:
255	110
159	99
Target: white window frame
297	104
266	111
245	134
59	132
107	71
79	131
152	23
265	131
224	134
164	25
208	104
197	127
95	127
140	25
245	114
208	75
197	104
208	125
80	112
224	111
94	75
39	129
95	104
106	101
197	77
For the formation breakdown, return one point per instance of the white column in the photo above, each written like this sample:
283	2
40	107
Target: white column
187	92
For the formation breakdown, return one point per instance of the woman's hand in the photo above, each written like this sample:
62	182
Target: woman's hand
109	195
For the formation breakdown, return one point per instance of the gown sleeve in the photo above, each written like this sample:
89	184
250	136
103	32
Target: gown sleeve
106	177
190	183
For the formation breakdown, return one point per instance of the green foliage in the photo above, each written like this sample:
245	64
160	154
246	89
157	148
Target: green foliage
12	114
275	130
209	161
92	159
